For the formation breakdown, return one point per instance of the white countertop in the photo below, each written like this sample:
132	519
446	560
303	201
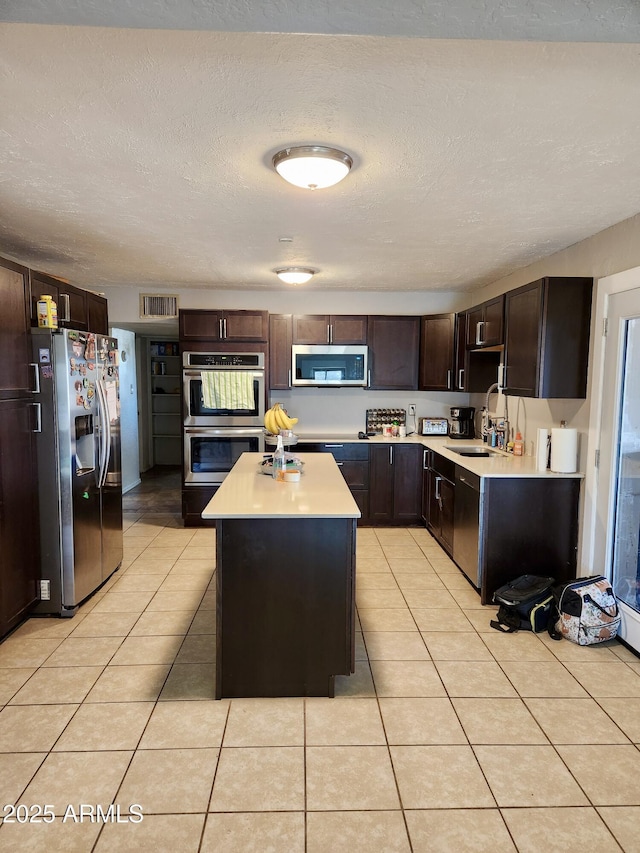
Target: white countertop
497	465
248	493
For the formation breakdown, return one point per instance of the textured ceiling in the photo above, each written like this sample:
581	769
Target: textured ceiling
142	156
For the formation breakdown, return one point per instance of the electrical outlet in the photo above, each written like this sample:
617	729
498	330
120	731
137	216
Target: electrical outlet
412	410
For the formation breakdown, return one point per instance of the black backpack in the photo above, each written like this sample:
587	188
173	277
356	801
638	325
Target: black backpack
525	604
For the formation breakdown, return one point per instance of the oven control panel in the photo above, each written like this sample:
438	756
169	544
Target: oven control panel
224	360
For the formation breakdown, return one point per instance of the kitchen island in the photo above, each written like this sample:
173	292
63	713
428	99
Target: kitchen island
285	580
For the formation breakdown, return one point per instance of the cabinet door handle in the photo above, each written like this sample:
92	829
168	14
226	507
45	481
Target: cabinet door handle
220	334
225	327
38	407
480	332
390	455
369	379
36	378
461	379
448	380
334	445
328	333
289	382
437	485
425	456
339	464
67	307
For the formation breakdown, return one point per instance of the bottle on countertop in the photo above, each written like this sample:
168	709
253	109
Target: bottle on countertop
278	465
518	445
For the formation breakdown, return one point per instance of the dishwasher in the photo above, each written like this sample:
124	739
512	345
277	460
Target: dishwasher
466	527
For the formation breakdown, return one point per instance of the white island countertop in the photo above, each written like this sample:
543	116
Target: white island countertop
248	493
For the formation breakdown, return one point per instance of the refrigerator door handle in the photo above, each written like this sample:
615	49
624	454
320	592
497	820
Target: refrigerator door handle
105	433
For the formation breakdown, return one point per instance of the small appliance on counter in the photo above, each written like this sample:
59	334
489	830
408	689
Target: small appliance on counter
377	419
433	426
462	425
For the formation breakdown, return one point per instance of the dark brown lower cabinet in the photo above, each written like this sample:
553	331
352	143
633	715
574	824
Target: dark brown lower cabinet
19	525
194	500
353	461
395	483
528	526
524	525
285	604
439	498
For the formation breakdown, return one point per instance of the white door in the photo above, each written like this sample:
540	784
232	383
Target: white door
618	543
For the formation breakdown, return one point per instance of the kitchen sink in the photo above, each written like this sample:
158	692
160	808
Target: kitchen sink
472	451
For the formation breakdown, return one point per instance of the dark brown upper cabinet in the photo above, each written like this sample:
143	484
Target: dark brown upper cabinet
280	352
232	326
97	314
17	376
71	301
339	329
437	352
394	352
547	325
485	324
460	382
77	308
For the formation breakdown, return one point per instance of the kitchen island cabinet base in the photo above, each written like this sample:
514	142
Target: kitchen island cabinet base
285	605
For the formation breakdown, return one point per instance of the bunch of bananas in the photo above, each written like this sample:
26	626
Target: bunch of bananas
276	418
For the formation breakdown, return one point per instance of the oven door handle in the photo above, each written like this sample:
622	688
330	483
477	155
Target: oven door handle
196	372
223	431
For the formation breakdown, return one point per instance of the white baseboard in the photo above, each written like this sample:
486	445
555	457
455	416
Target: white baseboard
128	488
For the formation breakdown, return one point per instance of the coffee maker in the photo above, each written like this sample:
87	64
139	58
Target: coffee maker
461	425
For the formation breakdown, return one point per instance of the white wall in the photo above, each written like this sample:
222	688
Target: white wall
610	251
124	302
614	250
128	408
331	411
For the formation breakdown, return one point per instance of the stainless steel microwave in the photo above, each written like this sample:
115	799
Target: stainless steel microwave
329	365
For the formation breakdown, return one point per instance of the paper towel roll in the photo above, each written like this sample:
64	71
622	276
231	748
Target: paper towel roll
542	450
564	450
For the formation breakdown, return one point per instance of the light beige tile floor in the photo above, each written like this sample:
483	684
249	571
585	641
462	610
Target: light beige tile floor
449	736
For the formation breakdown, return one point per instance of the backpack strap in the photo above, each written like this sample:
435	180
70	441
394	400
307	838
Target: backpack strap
554	615
499	627
603	610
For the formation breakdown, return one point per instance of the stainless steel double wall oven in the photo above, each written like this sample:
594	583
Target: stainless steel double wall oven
214	437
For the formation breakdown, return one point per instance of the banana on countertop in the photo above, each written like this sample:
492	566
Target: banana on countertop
276	418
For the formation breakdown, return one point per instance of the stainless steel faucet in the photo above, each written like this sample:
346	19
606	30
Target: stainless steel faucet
496	387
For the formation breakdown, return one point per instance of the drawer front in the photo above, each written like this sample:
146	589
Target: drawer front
342	452
355	472
444	467
465	476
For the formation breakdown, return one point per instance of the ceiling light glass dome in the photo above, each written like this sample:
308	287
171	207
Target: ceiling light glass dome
312	167
295	275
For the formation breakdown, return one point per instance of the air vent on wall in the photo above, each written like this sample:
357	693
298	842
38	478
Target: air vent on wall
155	307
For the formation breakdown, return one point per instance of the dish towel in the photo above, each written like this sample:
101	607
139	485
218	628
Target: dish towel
227	389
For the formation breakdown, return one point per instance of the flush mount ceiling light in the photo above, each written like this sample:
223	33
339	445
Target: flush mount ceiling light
312	167
295	275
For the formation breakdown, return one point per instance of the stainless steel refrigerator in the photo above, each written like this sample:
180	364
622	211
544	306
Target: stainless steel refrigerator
79	469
